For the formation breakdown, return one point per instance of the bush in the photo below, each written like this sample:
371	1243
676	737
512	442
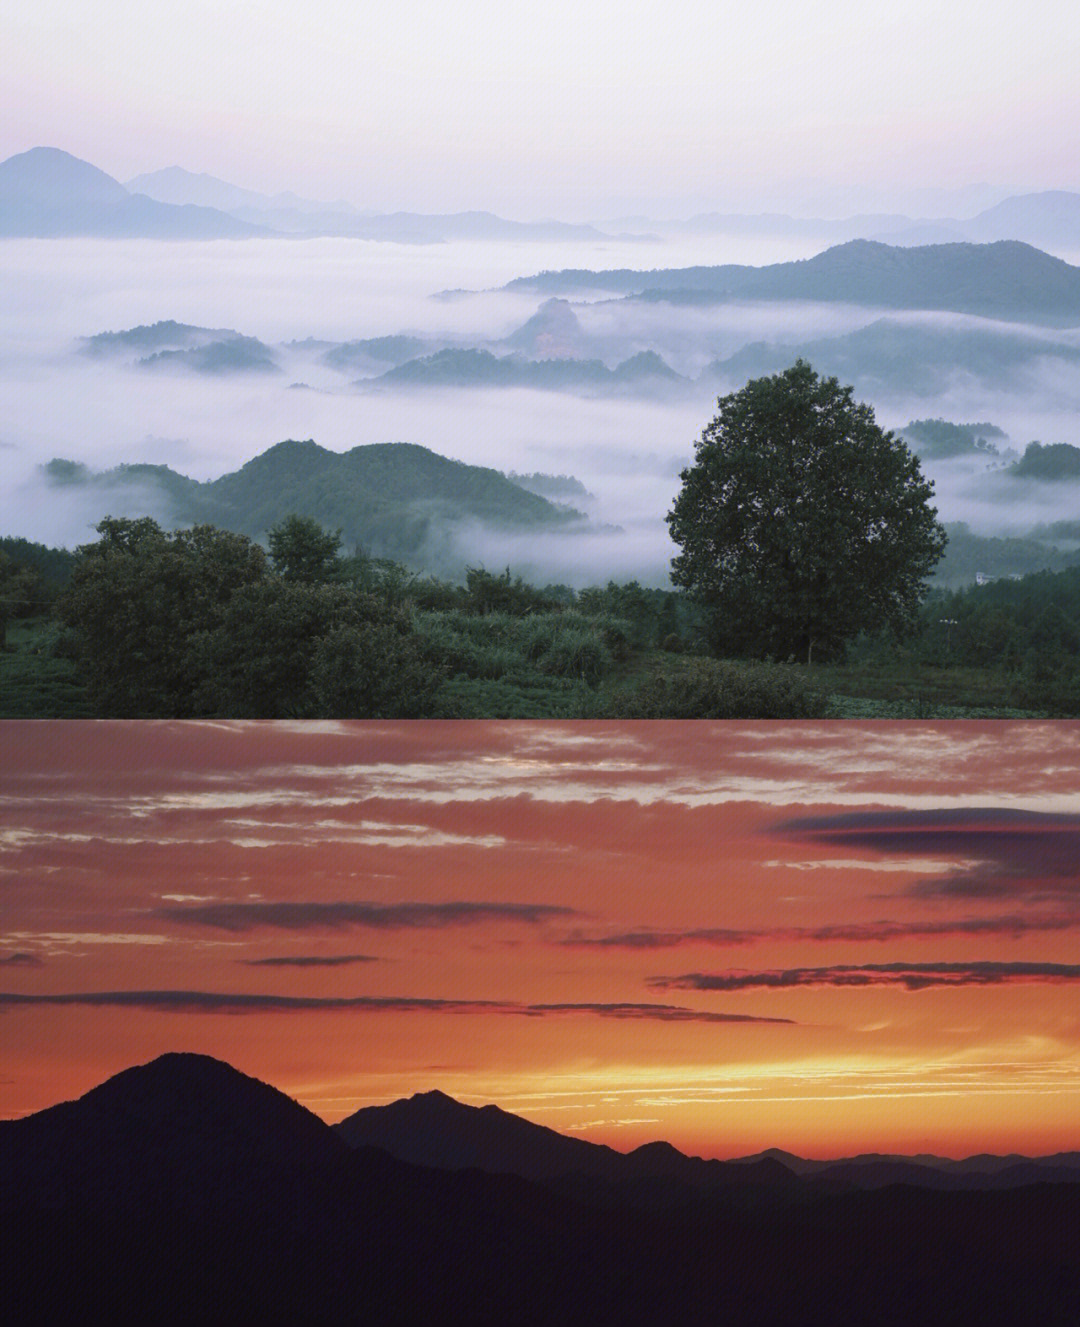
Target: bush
697	688
371	672
576	653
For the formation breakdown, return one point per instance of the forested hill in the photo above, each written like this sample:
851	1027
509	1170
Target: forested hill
386	497
1007	279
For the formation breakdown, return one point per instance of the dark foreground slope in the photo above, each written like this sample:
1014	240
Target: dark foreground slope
182	1191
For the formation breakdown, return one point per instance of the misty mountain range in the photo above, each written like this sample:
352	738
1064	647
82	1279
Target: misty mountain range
395	361
1007	279
48	192
432	1129
1049	219
403	501
184	1191
917	357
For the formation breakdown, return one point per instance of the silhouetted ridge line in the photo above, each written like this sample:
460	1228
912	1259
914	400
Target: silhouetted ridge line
183	1191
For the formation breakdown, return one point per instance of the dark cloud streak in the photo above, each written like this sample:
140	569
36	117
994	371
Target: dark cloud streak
1030	857
878	931
912	976
377	916
219	1002
310	961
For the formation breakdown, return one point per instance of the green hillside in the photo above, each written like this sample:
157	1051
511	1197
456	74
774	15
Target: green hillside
389	498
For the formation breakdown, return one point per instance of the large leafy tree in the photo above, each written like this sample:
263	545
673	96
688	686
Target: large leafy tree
302	550
802	522
133	601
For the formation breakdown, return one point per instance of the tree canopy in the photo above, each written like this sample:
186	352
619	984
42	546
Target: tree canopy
802	522
193	623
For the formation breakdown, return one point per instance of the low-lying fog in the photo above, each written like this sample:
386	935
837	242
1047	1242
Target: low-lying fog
627	450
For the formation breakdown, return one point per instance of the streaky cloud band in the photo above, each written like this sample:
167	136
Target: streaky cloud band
222	1002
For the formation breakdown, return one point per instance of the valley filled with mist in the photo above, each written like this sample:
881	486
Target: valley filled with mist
518	400
583	353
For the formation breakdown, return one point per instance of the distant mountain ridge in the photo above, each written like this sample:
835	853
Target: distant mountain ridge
908	360
1047	219
47	193
480	368
288	213
433	1129
1006	279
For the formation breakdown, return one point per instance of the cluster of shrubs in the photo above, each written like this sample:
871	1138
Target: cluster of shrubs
206	623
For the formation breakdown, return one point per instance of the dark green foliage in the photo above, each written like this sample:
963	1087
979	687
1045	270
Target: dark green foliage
134	600
37	679
967	554
649	615
52	565
1055	460
373	670
193	623
801	522
30	577
197	624
488	593
937	439
560	644
301	550
1027	629
333	653
695	688
515	696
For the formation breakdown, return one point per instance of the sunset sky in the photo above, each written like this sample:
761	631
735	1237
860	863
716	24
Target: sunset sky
825	937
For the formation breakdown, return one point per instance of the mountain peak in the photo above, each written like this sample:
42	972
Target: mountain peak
436	1098
50	175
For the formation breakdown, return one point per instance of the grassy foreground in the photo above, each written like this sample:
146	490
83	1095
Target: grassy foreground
38	681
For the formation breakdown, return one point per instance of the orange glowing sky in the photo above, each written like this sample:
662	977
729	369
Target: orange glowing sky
826	937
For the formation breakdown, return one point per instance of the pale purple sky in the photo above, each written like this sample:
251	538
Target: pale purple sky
565	107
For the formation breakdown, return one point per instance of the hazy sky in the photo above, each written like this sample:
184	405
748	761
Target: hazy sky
573	107
828	937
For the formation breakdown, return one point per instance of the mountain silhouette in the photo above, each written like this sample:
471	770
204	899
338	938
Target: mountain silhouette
432	1129
474	367
46	193
391	498
1006	279
183	1191
908	360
